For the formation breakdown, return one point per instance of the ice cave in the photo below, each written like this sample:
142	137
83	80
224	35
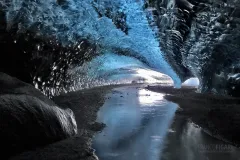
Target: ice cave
120	79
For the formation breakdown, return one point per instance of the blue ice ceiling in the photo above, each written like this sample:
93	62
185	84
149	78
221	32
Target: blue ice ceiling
67	20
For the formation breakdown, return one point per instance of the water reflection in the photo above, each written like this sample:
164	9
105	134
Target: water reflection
142	125
148	98
189	142
137	122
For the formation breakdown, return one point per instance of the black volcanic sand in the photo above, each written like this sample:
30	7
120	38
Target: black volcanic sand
85	104
217	115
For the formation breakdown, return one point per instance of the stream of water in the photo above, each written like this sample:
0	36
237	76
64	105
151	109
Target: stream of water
142	125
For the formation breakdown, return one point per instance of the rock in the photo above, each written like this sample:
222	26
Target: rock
28	119
12	85
74	148
85	105
96	126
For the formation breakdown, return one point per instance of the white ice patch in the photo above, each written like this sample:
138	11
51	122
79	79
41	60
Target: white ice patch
192	82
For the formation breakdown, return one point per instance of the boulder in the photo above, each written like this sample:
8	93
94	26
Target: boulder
28	119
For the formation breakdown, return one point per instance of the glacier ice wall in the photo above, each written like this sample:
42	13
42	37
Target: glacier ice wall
111	68
200	38
120	27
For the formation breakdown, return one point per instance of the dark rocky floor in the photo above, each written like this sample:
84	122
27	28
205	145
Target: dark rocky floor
85	105
28	119
218	115
33	131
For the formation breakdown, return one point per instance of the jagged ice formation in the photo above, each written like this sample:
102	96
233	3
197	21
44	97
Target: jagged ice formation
180	38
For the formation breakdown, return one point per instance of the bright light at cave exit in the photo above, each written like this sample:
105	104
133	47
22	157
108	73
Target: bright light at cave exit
151	76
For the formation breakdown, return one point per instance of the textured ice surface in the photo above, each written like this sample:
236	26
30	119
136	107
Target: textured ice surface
118	27
112	68
200	38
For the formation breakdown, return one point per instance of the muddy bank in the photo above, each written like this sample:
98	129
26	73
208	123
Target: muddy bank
85	105
217	115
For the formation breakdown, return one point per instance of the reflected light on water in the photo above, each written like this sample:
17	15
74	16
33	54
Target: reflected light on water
148	97
142	125
137	122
